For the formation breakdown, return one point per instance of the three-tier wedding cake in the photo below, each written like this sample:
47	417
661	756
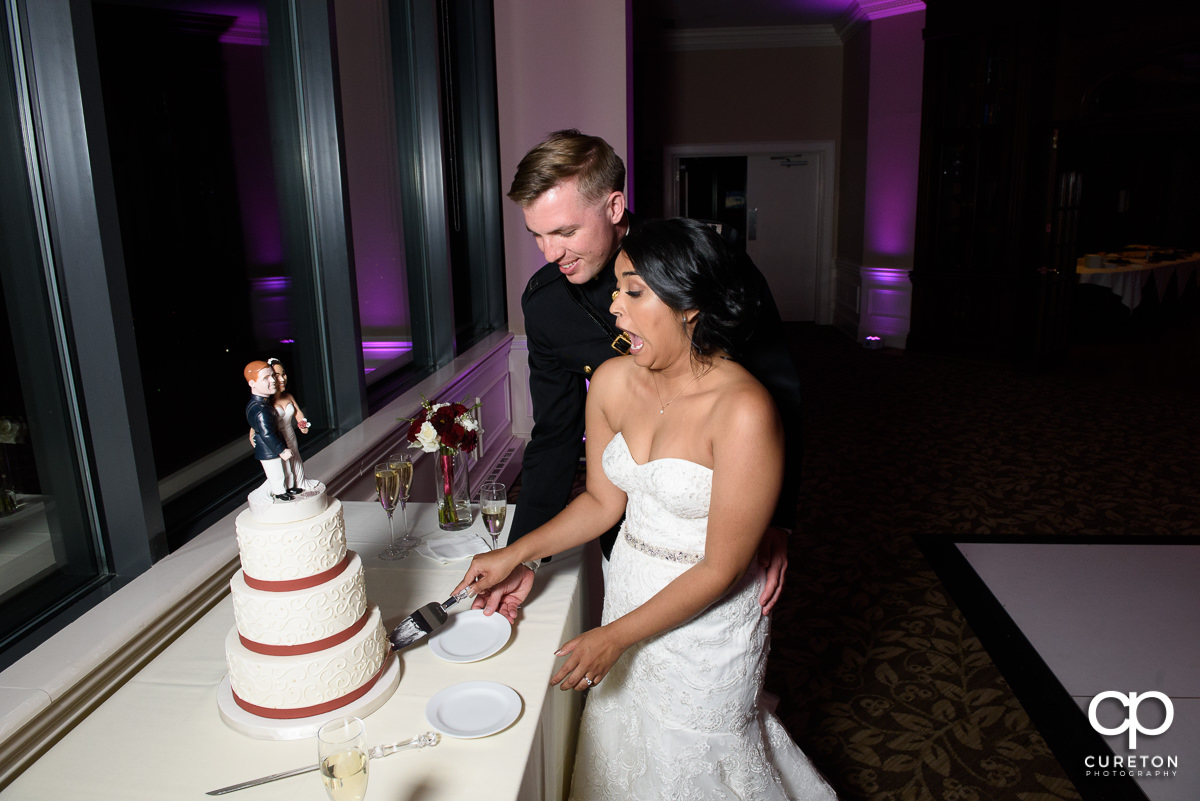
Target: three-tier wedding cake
306	640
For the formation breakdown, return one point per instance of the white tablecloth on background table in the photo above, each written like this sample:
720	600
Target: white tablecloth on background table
160	736
1129	280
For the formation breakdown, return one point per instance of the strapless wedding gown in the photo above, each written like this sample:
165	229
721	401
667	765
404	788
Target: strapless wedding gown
681	716
293	469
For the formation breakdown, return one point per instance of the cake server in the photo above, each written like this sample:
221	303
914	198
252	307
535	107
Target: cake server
429	738
425	620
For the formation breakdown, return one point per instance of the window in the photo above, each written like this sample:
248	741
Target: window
220	195
50	552
214	235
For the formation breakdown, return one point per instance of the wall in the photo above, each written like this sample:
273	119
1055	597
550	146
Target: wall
893	140
753	95
877	206
853	185
559	64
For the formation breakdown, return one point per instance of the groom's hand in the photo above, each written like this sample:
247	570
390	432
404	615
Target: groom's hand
772	555
506	596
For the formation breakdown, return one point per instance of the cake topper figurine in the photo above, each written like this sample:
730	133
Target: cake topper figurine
269	447
290	418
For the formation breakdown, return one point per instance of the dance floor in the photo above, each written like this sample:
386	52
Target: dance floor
1066	621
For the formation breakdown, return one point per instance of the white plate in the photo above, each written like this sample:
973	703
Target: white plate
470	636
473	709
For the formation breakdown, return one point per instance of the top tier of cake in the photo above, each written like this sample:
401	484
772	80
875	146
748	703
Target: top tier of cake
289	541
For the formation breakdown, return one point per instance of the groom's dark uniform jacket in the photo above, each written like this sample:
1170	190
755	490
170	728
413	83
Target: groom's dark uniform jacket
570	333
260	414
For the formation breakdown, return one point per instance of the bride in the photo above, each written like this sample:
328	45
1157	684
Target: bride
688	446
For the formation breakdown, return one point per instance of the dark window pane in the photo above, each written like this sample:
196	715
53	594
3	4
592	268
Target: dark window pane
210	194
368	101
49	552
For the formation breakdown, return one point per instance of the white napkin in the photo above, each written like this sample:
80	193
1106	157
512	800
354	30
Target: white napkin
450	546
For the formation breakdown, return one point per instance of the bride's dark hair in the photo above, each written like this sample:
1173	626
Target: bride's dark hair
688	266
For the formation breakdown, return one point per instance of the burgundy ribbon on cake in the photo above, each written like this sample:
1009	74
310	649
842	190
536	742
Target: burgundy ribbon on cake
316	709
297	584
306	647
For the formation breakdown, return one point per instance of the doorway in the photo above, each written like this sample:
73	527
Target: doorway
773	200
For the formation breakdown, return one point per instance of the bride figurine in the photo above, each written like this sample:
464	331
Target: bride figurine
684	442
290	419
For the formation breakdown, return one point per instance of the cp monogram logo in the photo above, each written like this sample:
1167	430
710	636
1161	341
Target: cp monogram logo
1132	724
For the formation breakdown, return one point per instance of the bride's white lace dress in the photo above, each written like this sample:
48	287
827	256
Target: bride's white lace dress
680	716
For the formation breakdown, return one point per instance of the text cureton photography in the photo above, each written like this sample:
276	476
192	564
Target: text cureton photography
1134	765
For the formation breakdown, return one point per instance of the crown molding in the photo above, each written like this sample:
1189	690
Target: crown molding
750	38
863	11
754	37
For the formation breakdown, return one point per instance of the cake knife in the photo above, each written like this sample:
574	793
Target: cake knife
429	738
425	620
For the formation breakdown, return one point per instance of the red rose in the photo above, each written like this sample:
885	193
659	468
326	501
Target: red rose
442	419
453	436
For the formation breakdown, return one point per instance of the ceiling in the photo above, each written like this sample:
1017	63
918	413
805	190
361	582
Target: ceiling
744	13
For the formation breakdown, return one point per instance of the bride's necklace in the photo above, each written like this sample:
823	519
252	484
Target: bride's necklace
662	407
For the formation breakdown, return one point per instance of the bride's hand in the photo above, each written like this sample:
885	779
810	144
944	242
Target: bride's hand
589	658
488	569
507	596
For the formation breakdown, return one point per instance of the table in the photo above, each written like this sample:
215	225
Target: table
1129	280
160	736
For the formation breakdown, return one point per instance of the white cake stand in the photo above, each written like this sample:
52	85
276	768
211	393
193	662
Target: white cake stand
244	722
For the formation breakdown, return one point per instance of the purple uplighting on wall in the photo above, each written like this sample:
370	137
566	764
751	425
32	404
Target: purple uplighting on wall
893	139
891	212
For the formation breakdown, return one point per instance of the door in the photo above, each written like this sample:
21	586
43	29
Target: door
770	203
713	188
782	193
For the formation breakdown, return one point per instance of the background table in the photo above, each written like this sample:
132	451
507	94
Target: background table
160	735
1129	280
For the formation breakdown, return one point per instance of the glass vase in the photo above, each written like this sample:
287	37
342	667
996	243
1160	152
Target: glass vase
453	490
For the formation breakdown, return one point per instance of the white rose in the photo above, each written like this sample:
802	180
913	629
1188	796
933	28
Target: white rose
427	437
468	422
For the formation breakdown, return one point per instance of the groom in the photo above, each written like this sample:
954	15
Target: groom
571	192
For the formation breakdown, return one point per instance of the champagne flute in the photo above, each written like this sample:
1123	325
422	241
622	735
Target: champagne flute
387	481
493	504
402	463
342	754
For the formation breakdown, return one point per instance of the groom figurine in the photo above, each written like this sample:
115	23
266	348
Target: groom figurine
269	448
571	191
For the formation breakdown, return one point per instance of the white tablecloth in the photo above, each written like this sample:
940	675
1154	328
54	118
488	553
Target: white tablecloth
160	737
1129	280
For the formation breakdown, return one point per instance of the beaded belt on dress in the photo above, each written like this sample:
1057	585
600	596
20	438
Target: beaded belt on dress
684	557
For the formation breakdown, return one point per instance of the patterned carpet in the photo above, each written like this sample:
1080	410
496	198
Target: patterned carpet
880	679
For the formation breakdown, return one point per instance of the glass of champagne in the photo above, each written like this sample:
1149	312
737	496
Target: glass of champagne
387	481
402	463
342	754
493	505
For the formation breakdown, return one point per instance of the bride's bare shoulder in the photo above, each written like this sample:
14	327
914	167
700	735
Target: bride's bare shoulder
617	372
742	396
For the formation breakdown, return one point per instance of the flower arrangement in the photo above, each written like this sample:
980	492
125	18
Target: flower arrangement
444	428
447	429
